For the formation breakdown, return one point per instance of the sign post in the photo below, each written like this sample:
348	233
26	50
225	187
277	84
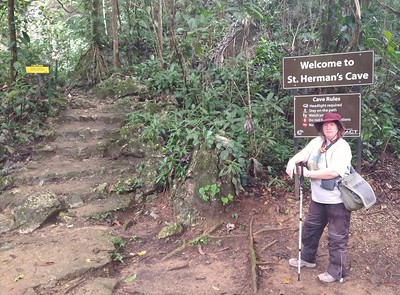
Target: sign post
38	70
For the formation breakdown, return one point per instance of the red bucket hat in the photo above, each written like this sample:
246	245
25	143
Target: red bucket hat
330	117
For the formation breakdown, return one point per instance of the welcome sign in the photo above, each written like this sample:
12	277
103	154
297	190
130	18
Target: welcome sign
328	70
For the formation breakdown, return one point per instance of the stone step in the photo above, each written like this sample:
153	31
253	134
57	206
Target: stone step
102	206
27	207
84	134
94	116
83	131
69	149
59	169
51	255
72	193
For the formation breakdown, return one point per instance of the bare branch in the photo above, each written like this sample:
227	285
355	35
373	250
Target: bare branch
66	10
388	7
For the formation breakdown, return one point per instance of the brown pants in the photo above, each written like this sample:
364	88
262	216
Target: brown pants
337	217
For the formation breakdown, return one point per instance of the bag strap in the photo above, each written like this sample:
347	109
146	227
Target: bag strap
352	171
326	148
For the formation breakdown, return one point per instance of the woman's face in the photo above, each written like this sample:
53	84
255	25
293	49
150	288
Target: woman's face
330	130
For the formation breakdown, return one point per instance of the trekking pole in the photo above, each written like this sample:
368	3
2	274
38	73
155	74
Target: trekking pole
301	180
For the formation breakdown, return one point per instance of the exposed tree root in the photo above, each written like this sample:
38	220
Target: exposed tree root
194	241
267	246
180	266
266	263
92	66
253	258
228	236
270	229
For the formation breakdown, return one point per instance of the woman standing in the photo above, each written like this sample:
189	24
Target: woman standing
327	157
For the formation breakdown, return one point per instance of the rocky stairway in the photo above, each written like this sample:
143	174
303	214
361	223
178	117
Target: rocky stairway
46	199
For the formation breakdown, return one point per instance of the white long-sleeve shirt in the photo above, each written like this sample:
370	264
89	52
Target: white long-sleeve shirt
337	157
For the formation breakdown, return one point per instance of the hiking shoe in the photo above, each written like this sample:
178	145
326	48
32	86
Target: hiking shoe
326	278
295	263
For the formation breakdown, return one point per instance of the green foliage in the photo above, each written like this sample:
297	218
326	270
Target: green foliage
118	257
165	81
24	108
135	239
267	62
211	101
101	216
380	132
123	186
130	279
208	192
227	199
380	110
119	244
148	126
202	240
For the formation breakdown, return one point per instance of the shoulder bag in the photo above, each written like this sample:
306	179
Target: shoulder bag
356	192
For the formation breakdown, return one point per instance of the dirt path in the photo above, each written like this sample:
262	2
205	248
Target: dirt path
97	243
222	266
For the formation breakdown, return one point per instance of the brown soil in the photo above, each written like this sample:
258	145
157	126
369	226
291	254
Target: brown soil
222	265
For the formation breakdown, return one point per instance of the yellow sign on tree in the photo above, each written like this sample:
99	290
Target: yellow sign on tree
37	69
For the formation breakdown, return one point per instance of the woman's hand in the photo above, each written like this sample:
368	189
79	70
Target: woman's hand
291	167
306	172
301	156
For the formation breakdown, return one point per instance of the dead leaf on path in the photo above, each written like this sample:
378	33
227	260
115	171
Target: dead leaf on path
130	279
19	277
223	249
201	251
286	282
390	284
47	263
141	253
116	222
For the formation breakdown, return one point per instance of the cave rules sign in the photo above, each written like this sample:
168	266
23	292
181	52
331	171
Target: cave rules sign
309	109
328	70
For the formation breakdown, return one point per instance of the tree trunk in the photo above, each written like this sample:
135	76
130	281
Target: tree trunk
104	17
356	31
117	62
13	39
92	66
156	13
174	46
327	23
95	18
